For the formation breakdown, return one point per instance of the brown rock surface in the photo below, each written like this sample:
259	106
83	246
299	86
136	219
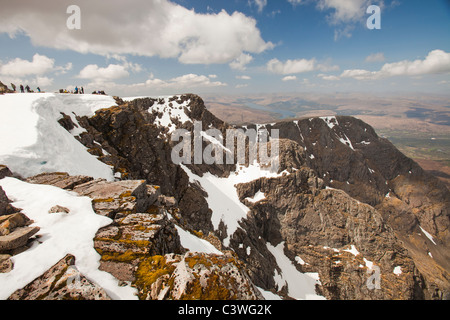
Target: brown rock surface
63	281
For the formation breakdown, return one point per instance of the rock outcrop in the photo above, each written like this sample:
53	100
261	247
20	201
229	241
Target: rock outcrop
63	281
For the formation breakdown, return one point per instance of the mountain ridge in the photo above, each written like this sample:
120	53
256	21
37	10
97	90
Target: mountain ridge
340	189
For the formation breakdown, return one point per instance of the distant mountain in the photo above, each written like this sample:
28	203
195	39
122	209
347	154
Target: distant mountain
345	215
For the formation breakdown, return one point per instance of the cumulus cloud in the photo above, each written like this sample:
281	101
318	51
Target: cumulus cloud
111	72
376	57
345	14
298	66
436	62
183	82
241	62
39	65
243	77
260	4
289	78
146	28
296	2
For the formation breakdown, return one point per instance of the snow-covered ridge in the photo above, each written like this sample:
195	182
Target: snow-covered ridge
32	140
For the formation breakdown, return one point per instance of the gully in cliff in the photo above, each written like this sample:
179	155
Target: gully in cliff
236	144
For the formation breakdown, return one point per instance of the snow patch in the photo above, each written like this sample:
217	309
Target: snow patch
223	199
301	286
397	270
195	244
428	235
34	142
257	197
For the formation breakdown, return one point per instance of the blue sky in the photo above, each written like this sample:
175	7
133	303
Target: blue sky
143	47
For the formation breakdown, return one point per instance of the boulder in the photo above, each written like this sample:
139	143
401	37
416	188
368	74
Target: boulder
59	179
10	222
5	172
5	206
58	209
63	281
18	238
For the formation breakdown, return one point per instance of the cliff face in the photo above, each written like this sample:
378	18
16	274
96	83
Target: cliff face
347	216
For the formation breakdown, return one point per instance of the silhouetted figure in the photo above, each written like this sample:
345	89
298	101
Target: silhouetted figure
28	88
38	89
82	90
76	90
21	89
13	87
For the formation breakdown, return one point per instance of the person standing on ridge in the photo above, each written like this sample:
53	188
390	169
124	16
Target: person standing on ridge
21	88
13	87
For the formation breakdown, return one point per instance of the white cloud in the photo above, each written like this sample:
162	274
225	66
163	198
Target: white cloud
436	62
291	66
111	72
345	14
376	57
328	77
185	81
145	28
344	11
19	67
296	2
241	62
243	77
260	4
289	78
298	66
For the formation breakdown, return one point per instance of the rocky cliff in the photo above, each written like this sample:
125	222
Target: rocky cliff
347	216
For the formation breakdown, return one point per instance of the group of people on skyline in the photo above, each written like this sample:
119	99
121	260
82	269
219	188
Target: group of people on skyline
22	88
27	89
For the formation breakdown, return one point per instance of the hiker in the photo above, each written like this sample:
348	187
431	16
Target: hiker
13	87
21	88
38	89
82	90
28	88
76	90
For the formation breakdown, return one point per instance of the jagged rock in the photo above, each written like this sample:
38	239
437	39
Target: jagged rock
5	172
18	238
6	264
10	222
133	236
63	281
110	198
194	276
4	88
309	219
59	179
58	209
5	206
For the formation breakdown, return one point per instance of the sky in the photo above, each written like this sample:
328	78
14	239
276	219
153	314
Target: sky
159	47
